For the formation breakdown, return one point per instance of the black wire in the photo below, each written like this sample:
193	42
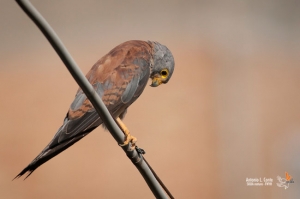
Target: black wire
158	179
49	33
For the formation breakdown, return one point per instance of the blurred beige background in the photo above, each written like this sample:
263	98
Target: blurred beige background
231	110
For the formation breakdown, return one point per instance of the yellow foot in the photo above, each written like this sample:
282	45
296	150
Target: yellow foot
128	136
131	139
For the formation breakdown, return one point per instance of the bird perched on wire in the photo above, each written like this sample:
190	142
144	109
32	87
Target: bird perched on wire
119	78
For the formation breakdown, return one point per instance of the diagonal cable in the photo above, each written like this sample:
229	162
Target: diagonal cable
87	88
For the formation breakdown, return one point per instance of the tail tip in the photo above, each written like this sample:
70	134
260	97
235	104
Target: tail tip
27	169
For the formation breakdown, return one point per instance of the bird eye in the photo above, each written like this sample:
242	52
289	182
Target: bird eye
164	73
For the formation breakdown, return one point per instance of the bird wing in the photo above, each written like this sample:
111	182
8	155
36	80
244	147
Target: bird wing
119	78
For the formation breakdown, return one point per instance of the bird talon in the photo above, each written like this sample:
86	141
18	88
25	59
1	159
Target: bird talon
129	139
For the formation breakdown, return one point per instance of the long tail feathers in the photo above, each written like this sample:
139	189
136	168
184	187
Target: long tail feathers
77	129
47	154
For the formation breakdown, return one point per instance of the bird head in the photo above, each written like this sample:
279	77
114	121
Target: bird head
163	65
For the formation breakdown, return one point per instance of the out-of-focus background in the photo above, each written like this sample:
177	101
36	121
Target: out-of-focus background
230	112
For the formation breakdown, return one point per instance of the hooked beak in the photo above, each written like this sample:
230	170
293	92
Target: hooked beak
156	81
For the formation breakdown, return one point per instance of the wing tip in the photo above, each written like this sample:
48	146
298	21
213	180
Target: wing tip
27	169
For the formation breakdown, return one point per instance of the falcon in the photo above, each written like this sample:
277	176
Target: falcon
119	78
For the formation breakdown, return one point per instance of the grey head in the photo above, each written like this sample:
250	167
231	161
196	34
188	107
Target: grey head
163	64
